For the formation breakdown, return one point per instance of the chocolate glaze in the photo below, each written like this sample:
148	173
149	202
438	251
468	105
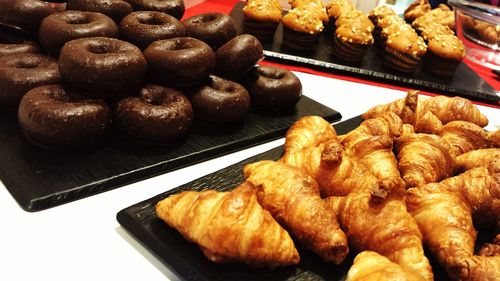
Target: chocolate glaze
25	14
273	89
159	114
220	102
215	29
115	9
238	56
20	73
57	29
144	27
19	48
55	118
179	62
174	8
104	67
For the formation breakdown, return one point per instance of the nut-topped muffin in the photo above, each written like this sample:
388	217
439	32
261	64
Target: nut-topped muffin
380	12
432	30
444	54
352	40
336	8
261	18
442	14
404	50
355	17
416	9
301	28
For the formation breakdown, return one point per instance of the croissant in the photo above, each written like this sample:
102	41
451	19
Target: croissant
229	227
337	172
424	158
476	158
405	108
293	198
307	132
387	124
383	226
445	212
428	123
464	136
371	266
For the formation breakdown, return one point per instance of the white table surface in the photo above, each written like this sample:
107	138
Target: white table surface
82	240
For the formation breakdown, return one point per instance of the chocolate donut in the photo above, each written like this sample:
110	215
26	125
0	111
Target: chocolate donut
115	9
220	102
174	8
26	14
158	114
57	29
238	56
273	89
104	67
145	27
215	29
179	62
20	73
19	48
55	118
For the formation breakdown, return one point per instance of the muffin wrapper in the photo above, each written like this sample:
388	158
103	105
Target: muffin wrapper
263	30
349	51
439	65
299	40
400	61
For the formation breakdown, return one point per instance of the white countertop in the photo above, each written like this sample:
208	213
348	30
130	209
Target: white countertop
82	240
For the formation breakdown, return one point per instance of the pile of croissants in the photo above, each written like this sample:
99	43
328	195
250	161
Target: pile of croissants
417	172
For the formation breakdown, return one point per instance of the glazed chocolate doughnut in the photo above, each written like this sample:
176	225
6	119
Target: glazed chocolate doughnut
104	67
220	102
55	118
20	73
145	27
158	114
215	29
19	48
57	29
179	62
174	8
115	9
273	88
238	56
26	14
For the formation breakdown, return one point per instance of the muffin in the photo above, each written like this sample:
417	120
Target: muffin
444	54
430	31
416	9
404	50
442	15
351	41
355	17
380	12
301	28
335	8
261	18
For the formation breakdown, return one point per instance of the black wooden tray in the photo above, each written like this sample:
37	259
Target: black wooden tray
464	82
187	261
40	179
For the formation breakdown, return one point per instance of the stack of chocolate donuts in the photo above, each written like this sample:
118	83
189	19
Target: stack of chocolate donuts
132	65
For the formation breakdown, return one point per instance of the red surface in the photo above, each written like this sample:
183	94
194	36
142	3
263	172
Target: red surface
225	6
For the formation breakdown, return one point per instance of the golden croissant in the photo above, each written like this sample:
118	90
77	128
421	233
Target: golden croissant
428	123
424	158
384	226
405	108
387	124
229	226
445	213
371	266
307	132
465	136
476	158
293	198
337	171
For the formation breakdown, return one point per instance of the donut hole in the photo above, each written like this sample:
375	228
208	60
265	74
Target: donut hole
101	48
28	63
150	20
78	19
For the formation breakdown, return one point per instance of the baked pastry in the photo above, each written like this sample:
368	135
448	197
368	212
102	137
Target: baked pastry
293	199
308	132
229	227
444	54
237	56
380	12
464	136
54	117
302	26
20	73
430	31
19	48
442	15
261	18
25	14
352	41
59	28
144	27
179	62
215	29
405	108
416	9
82	62
115	9
336	8
157	115
404	50
476	158
174	8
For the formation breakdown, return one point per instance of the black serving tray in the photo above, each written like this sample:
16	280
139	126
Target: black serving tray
464	82
187	261
39	179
